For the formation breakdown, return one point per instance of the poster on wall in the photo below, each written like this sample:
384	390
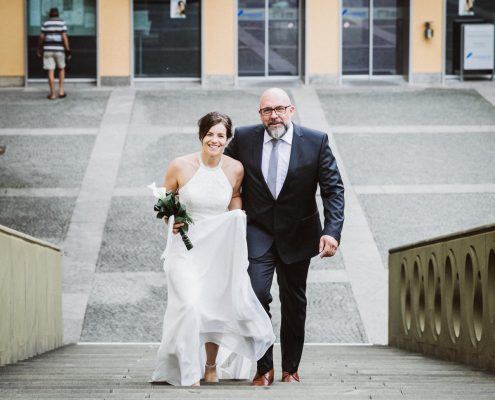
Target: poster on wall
178	9
466	7
478	46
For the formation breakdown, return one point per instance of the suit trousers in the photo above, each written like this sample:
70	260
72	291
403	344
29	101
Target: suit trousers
291	280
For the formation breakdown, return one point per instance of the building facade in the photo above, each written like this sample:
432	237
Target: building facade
221	42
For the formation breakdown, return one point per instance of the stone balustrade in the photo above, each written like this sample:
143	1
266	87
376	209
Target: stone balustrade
30	296
442	297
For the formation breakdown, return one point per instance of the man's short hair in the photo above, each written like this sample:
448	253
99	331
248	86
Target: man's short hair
53	12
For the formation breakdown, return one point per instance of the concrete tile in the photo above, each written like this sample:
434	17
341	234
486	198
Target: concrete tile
126	308
406	107
327	263
44	161
45	218
332	315
403	159
184	108
31	109
145	158
401	219
130	307
133	239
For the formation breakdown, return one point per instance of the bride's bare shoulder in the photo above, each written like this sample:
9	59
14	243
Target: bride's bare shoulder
233	164
185	161
233	169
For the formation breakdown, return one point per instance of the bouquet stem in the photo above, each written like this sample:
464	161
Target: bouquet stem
185	239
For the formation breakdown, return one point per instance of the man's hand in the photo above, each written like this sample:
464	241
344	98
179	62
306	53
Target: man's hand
176	227
328	246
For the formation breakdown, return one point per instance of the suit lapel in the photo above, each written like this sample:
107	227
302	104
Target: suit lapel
295	156
257	148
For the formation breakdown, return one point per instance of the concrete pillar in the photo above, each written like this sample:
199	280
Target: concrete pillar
427	54
322	41
219	47
114	42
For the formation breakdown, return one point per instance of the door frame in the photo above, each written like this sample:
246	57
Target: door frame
266	77
28	80
200	78
370	76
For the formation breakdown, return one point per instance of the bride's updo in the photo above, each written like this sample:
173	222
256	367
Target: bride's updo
211	119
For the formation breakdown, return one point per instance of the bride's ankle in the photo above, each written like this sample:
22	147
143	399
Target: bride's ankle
211	373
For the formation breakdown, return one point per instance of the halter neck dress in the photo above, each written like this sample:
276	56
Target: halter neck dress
210	298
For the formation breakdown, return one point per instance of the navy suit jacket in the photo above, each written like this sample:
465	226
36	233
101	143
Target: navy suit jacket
292	220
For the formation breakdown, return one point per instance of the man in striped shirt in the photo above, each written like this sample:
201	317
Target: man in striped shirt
53	43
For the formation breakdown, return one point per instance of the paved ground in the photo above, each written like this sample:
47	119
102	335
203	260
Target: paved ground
329	372
417	162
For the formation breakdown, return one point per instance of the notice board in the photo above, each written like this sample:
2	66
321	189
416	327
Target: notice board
478	47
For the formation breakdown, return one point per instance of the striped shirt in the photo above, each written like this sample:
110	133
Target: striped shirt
53	29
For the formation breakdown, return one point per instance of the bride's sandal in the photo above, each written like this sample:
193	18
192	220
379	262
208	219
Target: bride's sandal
211	373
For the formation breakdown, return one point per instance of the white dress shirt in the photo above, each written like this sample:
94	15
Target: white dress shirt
284	148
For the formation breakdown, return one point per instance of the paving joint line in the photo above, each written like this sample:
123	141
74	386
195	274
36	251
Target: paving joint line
359	250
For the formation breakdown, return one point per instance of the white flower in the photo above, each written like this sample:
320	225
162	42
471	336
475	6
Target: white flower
158	192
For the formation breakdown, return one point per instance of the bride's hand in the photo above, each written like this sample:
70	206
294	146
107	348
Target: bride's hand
176	228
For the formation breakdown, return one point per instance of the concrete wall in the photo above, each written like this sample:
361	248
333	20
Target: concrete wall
218	52
442	297
426	55
323	41
12	39
114	41
30	297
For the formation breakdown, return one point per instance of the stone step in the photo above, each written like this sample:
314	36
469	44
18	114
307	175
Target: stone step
121	372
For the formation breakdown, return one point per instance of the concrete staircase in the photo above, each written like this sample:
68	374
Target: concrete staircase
103	371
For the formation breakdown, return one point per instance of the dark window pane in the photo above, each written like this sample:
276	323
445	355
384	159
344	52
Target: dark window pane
283	37
389	32
251	37
355	37
167	43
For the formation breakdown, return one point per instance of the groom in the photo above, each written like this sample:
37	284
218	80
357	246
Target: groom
283	165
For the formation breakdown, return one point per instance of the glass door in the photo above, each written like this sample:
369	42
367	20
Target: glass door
356	37
268	38
80	18
375	37
167	38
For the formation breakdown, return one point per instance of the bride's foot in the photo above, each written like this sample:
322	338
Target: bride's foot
211	373
196	384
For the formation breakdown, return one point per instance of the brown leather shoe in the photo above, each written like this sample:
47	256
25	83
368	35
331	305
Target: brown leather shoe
265	379
288	377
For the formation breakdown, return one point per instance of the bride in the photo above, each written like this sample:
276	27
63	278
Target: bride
214	325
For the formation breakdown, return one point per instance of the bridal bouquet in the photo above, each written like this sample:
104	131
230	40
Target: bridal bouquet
168	205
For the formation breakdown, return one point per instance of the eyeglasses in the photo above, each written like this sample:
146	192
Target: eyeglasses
279	110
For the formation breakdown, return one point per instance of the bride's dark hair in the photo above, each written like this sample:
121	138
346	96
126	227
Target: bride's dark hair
211	119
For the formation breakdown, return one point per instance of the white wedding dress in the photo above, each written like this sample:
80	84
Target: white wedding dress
210	298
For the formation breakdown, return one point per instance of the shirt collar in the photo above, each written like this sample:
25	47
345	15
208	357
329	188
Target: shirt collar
287	138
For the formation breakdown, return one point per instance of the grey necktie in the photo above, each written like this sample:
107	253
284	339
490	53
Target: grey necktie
271	179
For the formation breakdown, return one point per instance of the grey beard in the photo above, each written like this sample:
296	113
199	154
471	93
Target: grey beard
277	133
